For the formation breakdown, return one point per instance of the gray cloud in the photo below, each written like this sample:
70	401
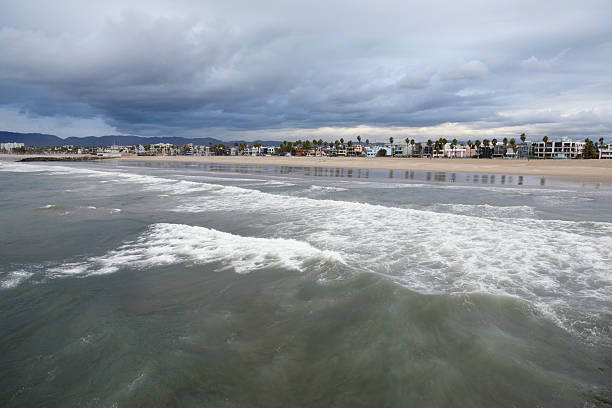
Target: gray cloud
466	70
202	67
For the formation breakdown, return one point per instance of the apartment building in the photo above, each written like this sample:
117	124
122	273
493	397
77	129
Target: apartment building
558	149
605	152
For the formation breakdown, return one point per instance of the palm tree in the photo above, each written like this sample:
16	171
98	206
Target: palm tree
429	143
341	140
523	137
391	140
359	139
478	147
601	141
367	141
545	140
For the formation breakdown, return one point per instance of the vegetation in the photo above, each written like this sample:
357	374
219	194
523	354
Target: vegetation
590	150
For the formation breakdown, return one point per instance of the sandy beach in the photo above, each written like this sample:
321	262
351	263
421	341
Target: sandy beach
575	170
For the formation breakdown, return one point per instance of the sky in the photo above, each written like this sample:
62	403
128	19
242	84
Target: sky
286	70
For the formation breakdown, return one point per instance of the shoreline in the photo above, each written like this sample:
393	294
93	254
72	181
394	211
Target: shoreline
591	171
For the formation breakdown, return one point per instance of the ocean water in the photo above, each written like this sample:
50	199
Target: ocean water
208	285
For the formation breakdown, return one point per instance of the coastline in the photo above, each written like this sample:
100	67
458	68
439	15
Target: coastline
591	171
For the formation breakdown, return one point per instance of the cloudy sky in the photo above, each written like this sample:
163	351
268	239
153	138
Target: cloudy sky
277	69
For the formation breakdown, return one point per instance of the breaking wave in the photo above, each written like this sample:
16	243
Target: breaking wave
166	244
562	267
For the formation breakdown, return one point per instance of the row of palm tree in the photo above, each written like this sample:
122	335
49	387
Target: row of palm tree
433	146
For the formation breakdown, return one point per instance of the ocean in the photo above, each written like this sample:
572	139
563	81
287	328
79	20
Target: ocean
206	285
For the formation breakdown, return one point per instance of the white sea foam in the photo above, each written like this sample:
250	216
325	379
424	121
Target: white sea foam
485	210
508	189
277	183
45	207
165	244
327	189
216	178
434	252
556	265
13	279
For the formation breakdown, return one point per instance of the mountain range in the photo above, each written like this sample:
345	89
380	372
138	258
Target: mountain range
42	139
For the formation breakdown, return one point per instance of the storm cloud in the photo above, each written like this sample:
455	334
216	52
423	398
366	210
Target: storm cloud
241	69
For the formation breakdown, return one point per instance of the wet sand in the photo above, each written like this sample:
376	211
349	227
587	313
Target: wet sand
574	170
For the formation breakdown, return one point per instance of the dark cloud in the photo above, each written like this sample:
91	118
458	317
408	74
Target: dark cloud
191	67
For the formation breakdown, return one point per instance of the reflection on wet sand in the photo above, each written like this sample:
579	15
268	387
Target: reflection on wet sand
358	173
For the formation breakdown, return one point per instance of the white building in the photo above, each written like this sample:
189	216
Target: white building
605	152
373	150
10	146
558	149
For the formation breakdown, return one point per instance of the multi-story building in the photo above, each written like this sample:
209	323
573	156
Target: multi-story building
354	150
10	146
605	152
485	152
401	150
372	151
459	151
523	150
499	150
558	149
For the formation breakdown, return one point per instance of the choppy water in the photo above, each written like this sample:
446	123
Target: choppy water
242	286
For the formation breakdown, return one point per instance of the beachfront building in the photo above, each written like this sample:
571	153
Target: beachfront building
523	150
400	150
10	146
355	150
458	151
558	149
162	148
510	154
605	152
427	150
499	150
485	152
372	151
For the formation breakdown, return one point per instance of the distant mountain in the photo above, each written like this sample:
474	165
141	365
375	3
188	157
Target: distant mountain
31	139
41	139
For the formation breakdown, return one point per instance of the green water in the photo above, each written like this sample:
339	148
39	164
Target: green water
166	302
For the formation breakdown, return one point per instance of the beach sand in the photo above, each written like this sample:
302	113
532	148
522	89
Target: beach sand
574	170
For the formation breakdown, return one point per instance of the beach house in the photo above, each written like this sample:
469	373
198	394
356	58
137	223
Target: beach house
605	151
557	149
